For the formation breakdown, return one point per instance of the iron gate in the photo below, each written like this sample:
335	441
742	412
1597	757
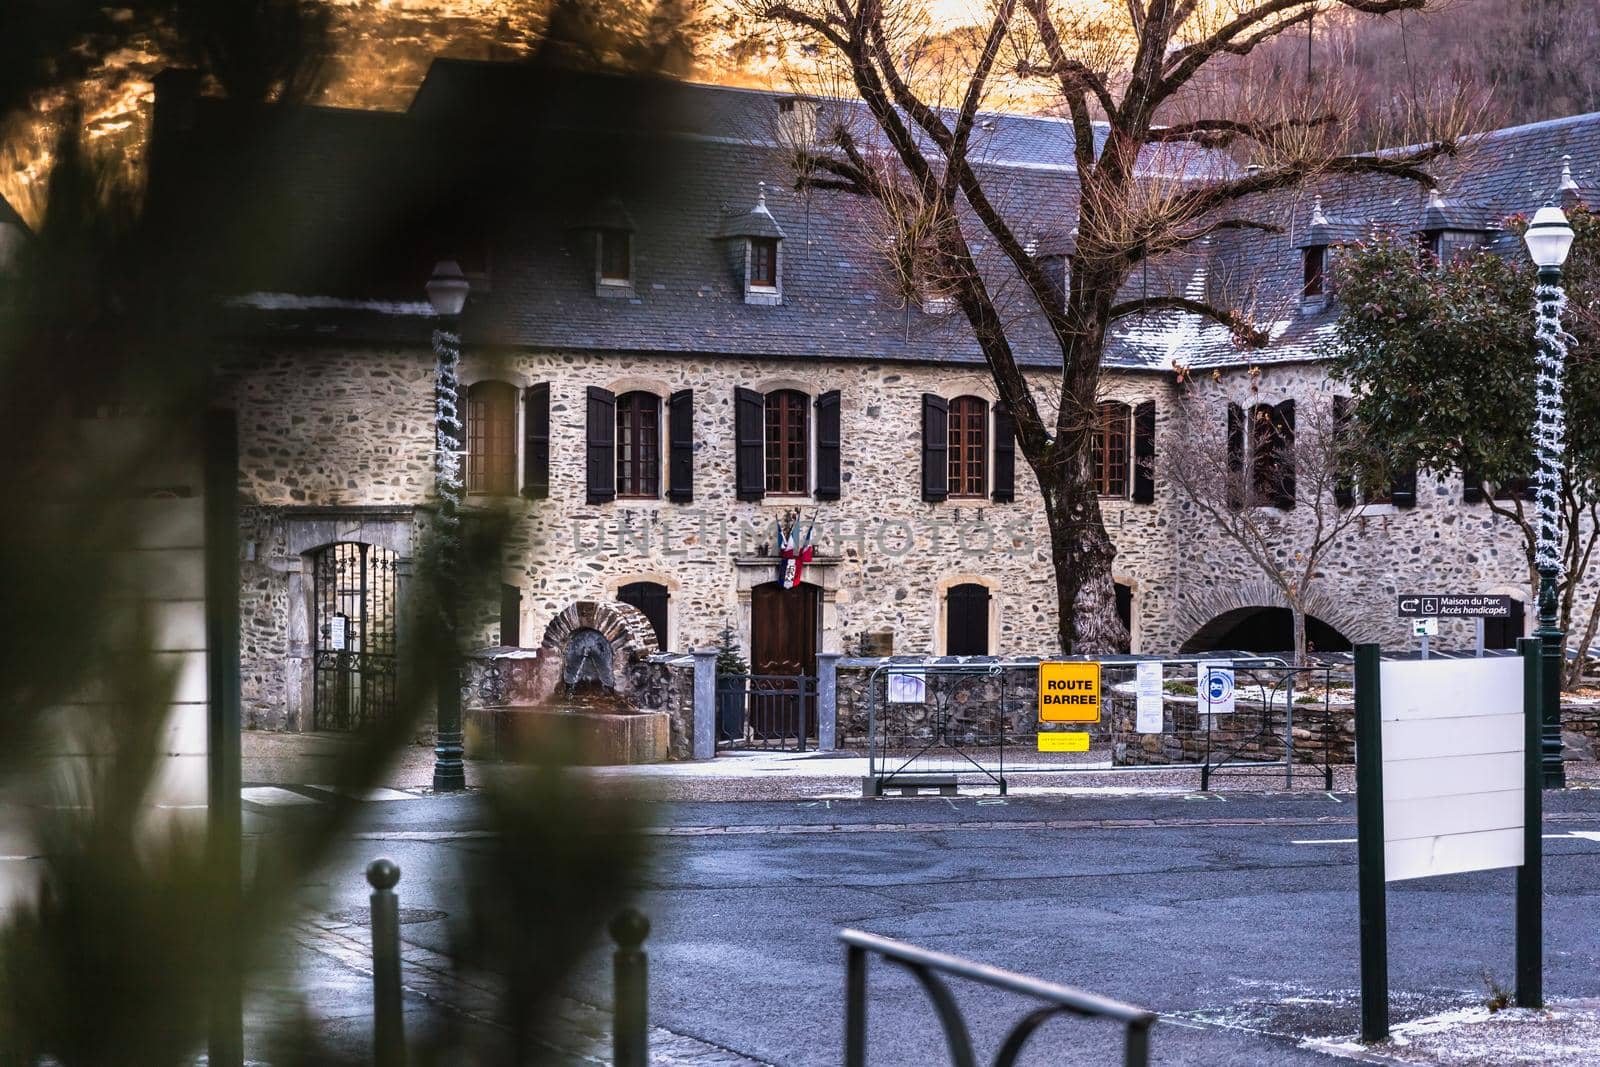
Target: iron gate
353	590
771	711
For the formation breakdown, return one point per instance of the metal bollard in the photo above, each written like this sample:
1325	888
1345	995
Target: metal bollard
630	1047
388	1024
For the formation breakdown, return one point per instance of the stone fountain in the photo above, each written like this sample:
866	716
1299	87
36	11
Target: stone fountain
578	693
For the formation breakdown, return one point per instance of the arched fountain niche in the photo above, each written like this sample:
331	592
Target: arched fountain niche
580	697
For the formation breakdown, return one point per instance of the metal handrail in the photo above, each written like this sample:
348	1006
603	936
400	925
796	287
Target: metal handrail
926	965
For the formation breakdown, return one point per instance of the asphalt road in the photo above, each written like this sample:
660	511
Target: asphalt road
1231	917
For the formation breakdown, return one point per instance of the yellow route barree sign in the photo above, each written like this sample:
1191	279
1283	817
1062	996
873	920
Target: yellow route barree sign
1069	692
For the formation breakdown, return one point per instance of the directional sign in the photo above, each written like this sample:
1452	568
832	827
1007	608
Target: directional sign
1069	692
1454	606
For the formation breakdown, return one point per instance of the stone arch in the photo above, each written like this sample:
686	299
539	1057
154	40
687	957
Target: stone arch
623	628
1215	610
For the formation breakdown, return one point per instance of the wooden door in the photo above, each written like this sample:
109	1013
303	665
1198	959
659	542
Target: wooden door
783	641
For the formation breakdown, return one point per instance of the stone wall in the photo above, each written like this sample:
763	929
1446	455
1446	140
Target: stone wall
347	432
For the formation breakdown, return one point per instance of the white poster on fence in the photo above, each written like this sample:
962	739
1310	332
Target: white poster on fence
1216	687
1147	688
907	688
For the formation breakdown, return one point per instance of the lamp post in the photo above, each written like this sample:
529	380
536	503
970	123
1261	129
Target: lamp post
1549	239
447	292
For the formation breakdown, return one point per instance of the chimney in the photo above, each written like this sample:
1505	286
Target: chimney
797	122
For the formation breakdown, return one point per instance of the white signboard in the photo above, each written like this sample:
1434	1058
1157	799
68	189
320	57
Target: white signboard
339	632
1216	688
1147	688
907	688
1452	765
1428	627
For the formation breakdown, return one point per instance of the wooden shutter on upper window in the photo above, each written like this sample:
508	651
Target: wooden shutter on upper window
1283	455
749	431
1344	485
1004	490
680	446
601	447
935	448
1238	491
1403	490
828	446
1144	453
536	441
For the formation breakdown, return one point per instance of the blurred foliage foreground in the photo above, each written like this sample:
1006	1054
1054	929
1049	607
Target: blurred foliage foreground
118	933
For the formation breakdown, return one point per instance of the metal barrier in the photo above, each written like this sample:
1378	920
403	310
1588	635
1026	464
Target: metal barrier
926	967
766	711
937	725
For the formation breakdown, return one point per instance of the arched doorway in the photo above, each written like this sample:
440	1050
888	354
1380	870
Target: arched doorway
784	625
1263	630
354	600
650	598
966	620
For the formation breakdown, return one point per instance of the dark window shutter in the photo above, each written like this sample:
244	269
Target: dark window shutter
1471	487
1283	449
680	446
510	615
935	448
749	424
828	446
1004	490
1344	486
651	599
966	629
601	438
1144	453
1403	490
1237	490
536	441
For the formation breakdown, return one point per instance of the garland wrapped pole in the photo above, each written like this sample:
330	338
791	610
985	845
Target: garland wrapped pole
1549	238
447	291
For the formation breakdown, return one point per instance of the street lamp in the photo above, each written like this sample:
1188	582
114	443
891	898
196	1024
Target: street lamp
1549	239
447	292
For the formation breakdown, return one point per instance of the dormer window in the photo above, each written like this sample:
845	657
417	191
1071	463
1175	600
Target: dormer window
609	229
754	248
764	262
615	257
1316	265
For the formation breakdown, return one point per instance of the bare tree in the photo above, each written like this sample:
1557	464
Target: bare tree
1154	176
1276	482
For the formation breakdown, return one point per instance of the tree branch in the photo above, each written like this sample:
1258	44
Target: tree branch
1220	133
1406	166
1245	331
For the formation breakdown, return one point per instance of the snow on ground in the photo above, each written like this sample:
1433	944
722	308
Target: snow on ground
1564	1035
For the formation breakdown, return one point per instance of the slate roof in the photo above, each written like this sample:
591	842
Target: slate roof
685	162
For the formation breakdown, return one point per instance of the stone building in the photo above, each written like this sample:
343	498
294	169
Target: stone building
669	348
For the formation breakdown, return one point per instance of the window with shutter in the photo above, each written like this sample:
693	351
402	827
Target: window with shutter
680	444
749	421
968	446
1004	488
1144	453
935	448
828	441
600	437
966	617
536	441
788	443
650	598
1110	449
1272	453
764	262
639	445
492	438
